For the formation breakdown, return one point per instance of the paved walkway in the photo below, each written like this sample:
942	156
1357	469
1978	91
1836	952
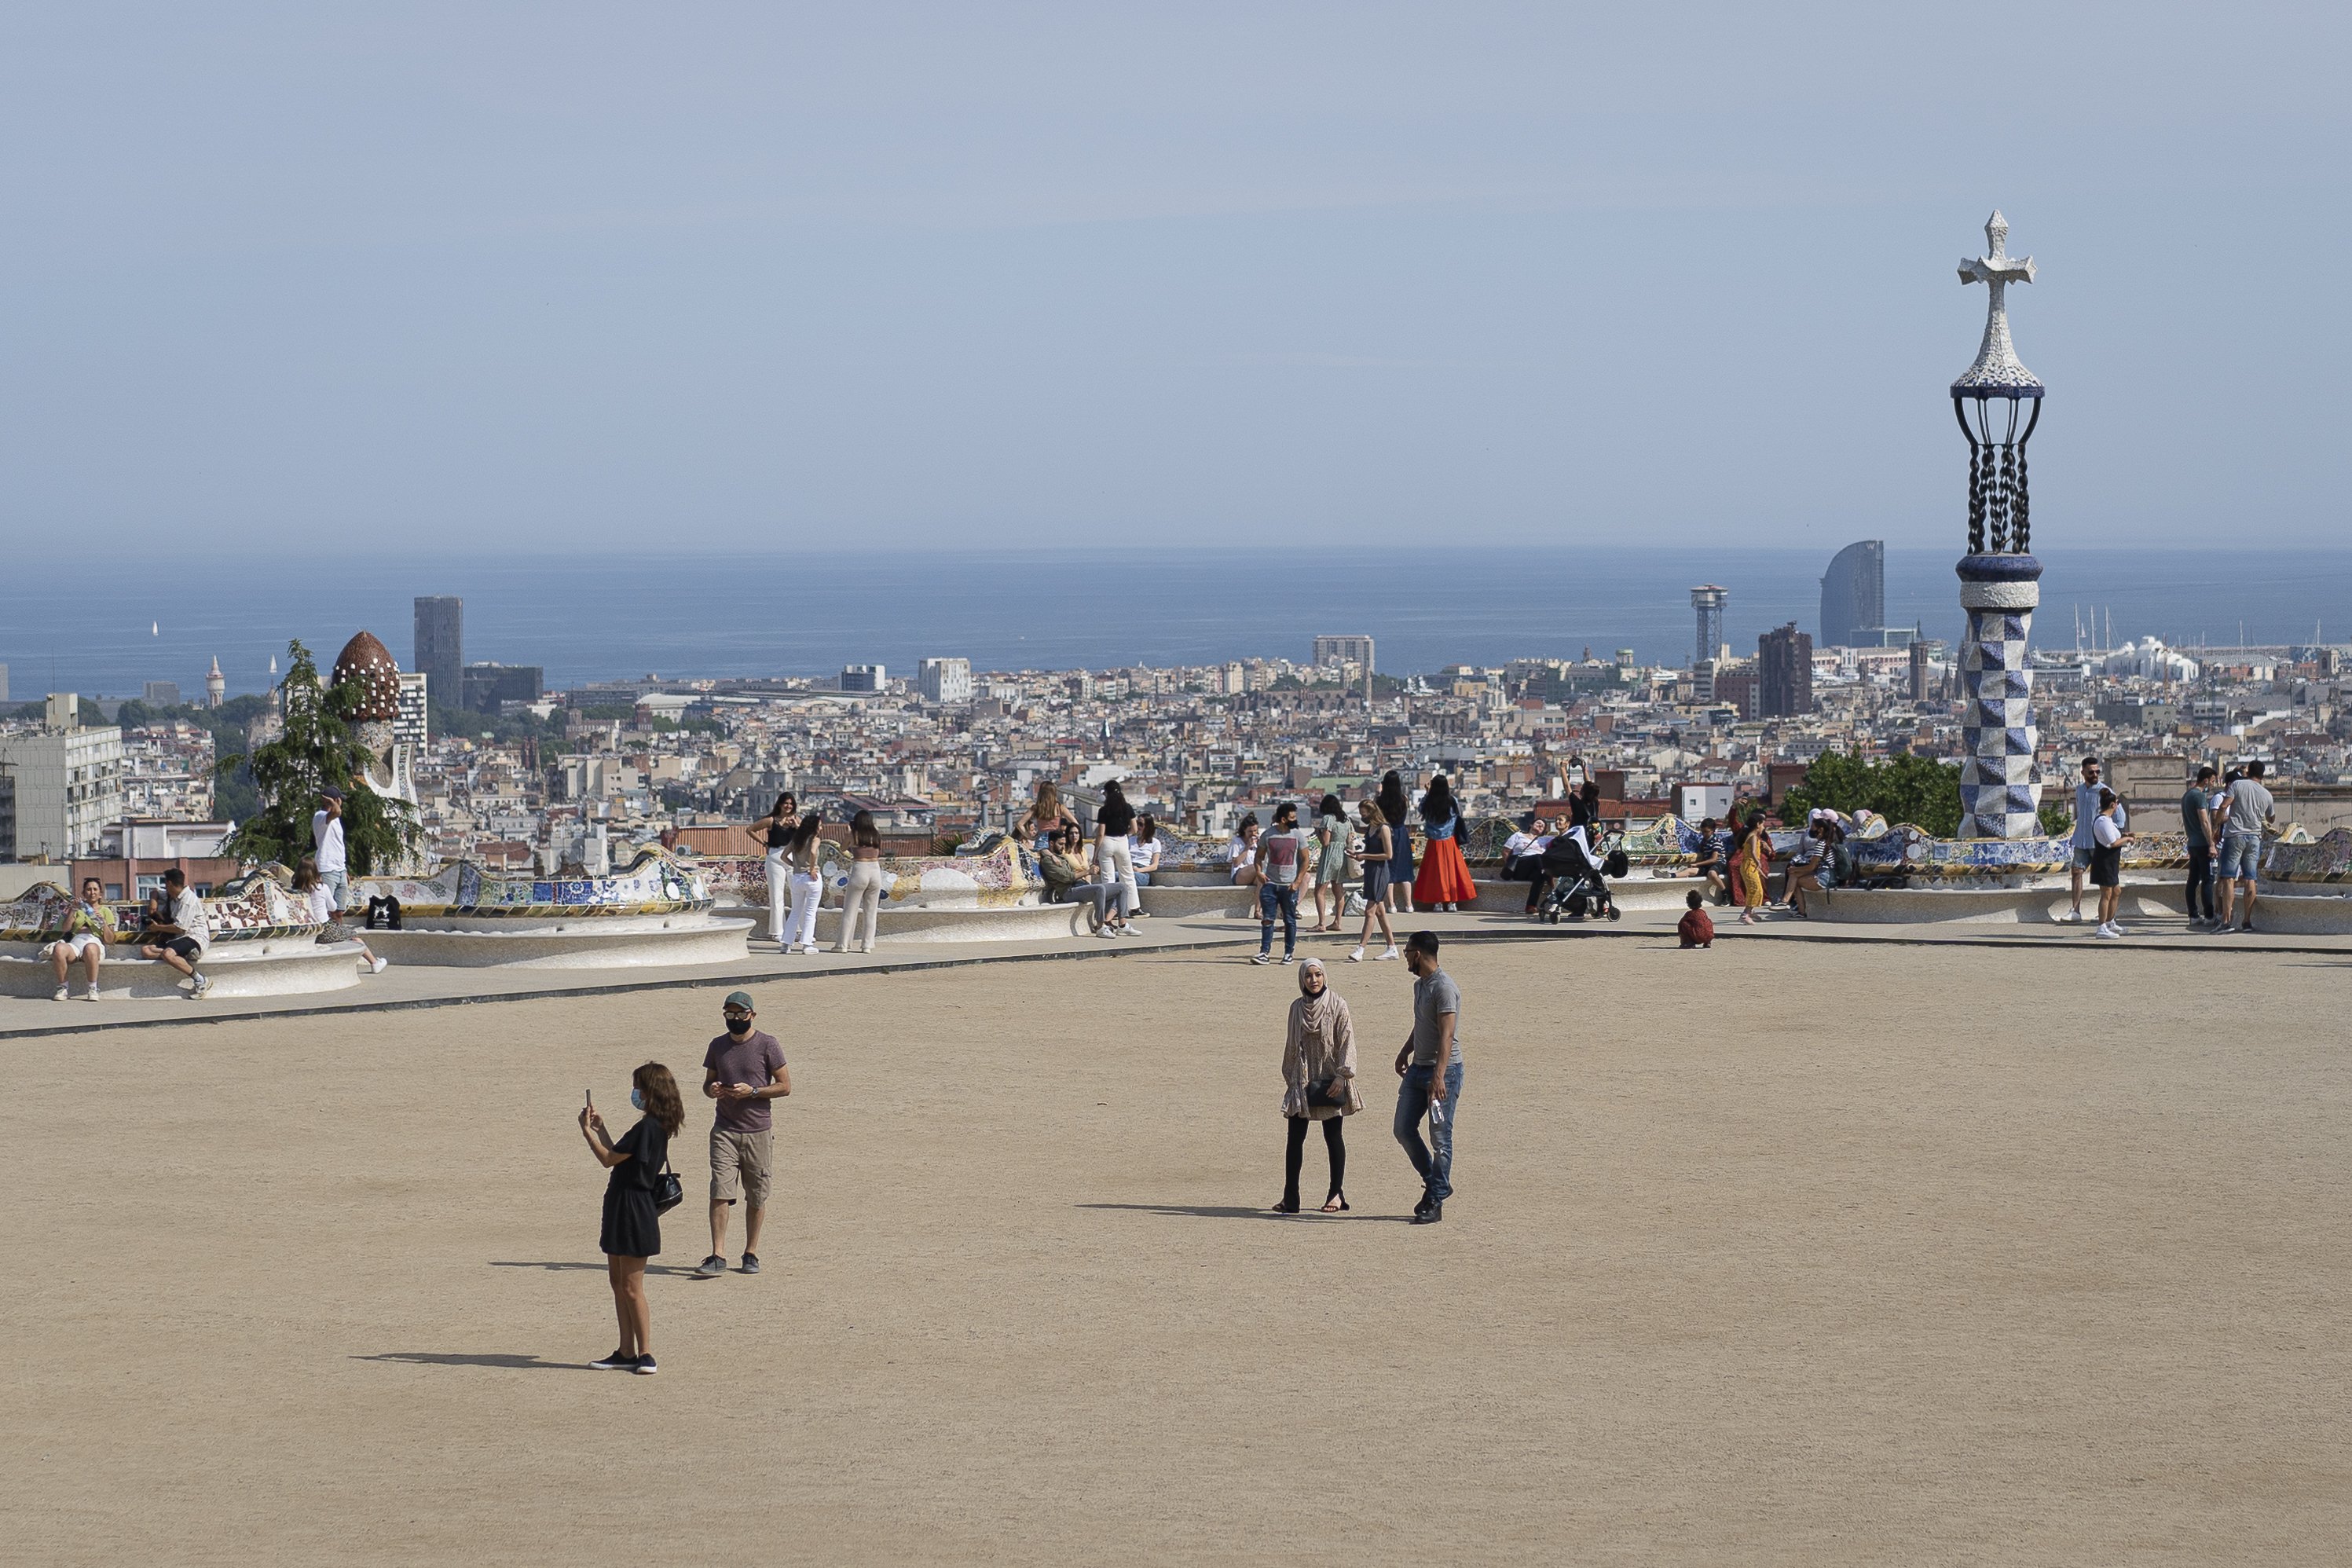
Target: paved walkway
408	986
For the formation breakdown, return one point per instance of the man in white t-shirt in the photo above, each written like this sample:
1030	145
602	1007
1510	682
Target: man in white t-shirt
327	839
182	941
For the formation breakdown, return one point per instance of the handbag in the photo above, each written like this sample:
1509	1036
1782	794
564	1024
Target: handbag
668	1191
1324	1092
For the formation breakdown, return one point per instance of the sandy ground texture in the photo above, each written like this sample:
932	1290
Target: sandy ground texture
1767	1254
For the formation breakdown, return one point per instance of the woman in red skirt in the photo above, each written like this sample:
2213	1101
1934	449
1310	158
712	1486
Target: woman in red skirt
1443	880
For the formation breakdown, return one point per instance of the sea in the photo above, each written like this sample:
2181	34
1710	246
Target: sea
166	616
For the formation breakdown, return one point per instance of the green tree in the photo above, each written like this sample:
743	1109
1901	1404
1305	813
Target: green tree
315	749
1916	790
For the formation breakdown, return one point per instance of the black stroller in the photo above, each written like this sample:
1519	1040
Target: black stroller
1580	887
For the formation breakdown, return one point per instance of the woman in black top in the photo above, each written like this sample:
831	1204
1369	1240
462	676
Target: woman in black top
1114	820
632	1224
772	835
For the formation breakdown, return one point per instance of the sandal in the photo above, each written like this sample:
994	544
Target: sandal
1285	1208
1335	1204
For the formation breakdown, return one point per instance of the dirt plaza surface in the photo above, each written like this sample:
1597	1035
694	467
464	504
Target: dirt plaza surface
1789	1252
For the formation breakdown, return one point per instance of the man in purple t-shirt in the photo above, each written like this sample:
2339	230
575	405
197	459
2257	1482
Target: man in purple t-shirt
742	1070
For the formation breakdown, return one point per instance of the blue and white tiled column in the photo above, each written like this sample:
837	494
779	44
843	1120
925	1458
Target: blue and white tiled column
2001	789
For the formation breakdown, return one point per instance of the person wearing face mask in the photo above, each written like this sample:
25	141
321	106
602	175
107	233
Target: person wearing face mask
632	1230
742	1070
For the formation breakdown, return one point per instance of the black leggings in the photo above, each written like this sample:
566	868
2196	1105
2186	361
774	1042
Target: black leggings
1334	1141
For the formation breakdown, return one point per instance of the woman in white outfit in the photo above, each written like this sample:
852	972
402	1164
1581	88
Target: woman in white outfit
801	851
863	894
1143	849
772	835
1115	865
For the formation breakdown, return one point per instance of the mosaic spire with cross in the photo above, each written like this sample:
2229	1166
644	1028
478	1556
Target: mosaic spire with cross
1997	371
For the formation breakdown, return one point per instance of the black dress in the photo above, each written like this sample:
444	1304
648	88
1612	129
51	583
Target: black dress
632	1224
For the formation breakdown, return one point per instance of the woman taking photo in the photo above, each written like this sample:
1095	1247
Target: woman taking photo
801	848
774	835
632	1230
1375	861
862	895
1330	871
1319	1076
1445	879
1393	808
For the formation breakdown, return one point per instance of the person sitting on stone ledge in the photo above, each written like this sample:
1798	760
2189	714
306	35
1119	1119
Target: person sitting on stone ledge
89	926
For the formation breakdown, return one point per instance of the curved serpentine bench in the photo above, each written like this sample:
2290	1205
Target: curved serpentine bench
613	942
271	966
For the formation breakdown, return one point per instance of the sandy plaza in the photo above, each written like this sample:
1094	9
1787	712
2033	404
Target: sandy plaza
1785	1264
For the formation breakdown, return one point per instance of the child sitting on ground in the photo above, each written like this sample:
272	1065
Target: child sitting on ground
1697	929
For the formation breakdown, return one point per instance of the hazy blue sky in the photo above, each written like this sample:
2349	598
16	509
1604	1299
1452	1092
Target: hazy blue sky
483	276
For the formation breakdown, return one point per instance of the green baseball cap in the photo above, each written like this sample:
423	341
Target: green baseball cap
739	999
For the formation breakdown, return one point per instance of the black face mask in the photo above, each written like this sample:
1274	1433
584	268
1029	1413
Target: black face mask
739	1026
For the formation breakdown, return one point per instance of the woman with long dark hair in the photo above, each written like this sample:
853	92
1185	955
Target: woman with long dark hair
1393	807
861	895
632	1229
1444	877
773	834
801	848
1114	862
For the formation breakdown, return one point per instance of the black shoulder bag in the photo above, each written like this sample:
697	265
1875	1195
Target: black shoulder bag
668	1190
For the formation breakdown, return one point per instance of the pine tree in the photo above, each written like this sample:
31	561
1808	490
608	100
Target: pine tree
315	749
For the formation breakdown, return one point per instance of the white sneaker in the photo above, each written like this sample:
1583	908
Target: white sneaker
63	994
197	992
2107	934
1357	957
378	966
2070	917
2117	927
90	995
1393	952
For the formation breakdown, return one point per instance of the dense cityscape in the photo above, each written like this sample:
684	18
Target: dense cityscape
515	775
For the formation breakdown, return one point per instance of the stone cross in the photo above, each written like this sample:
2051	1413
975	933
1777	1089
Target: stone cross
1997	364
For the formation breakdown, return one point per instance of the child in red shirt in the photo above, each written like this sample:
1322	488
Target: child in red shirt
1697	929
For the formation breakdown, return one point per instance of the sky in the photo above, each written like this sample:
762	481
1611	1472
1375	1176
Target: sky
448	280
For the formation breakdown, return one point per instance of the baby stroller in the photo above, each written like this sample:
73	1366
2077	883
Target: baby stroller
1579	886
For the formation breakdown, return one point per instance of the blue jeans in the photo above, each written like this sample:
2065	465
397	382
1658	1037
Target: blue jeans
338	885
2241	853
1434	1160
1270	899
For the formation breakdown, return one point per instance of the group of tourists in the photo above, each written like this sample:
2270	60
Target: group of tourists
1372	858
745	1072
791	844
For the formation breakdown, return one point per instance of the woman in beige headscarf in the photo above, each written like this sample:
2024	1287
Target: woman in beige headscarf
1318	1075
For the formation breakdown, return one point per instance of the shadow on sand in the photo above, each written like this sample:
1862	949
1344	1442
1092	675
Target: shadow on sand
1226	1211
445	1358
571	1264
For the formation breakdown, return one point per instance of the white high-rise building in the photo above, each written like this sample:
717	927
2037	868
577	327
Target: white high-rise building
946	680
864	678
408	728
67	782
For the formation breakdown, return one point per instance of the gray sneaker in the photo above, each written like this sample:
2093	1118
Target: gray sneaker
712	1268
751	1263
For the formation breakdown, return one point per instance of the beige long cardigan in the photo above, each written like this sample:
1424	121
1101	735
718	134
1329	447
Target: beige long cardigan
1310	1053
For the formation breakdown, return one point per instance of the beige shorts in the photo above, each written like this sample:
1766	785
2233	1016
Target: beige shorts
738	1166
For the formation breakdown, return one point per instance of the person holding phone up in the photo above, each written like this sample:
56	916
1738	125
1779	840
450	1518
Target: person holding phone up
632	1231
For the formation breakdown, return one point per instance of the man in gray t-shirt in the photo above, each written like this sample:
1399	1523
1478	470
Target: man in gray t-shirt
1430	1066
2246	808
